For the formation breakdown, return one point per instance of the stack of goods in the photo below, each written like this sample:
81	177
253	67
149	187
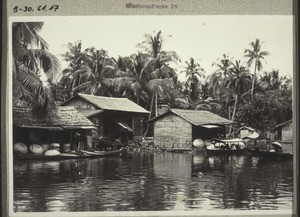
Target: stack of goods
46	149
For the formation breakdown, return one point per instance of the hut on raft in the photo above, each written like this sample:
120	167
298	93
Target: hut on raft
63	125
114	118
178	128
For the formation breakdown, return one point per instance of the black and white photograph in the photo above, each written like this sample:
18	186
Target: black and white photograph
157	114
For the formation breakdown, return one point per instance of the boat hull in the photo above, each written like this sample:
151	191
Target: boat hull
176	150
64	156
103	153
225	152
271	155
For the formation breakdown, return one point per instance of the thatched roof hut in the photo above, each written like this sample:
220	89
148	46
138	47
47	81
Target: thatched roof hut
59	118
178	128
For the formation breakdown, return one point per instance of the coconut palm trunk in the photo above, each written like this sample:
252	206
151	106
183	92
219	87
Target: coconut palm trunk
155	112
253	80
235	106
233	114
151	109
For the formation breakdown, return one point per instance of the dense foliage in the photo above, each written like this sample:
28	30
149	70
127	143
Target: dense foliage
30	59
150	78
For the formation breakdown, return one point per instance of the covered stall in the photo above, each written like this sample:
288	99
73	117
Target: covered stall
64	126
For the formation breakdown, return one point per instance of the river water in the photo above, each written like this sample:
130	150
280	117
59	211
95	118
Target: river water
141	181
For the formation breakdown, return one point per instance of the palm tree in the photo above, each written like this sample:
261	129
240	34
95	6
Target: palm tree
278	92
30	59
74	56
255	55
238	82
157	67
89	71
194	72
209	104
217	82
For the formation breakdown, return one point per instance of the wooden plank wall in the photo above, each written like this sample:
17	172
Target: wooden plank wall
287	132
173	132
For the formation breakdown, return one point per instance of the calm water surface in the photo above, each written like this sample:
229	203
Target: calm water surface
153	181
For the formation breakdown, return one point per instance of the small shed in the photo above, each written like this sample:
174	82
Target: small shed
284	131
114	117
178	128
59	126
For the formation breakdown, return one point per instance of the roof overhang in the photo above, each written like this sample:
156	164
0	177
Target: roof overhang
40	127
210	126
57	128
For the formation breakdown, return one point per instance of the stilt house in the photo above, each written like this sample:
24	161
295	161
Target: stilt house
113	117
178	128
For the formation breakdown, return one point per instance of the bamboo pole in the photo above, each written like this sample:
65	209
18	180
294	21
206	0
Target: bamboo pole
155	104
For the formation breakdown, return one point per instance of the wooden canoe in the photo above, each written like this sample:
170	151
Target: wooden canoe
103	153
63	156
271	155
225	152
178	150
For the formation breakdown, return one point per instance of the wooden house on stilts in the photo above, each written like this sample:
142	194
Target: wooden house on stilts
112	116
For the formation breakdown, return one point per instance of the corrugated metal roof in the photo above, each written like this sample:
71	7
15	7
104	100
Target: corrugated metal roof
113	103
197	117
65	116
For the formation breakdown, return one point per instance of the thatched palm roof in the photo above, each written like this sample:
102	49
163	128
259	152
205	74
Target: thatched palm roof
65	117
196	117
110	103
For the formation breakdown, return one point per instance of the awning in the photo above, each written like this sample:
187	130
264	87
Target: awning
124	125
209	126
42	127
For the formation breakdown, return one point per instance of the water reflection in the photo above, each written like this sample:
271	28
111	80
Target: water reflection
147	181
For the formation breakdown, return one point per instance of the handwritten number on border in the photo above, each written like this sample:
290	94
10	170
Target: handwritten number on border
40	8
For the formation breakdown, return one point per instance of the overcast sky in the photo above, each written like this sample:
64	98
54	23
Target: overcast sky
205	38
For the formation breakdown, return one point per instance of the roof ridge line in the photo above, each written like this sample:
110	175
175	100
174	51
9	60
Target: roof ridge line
108	97
184	117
